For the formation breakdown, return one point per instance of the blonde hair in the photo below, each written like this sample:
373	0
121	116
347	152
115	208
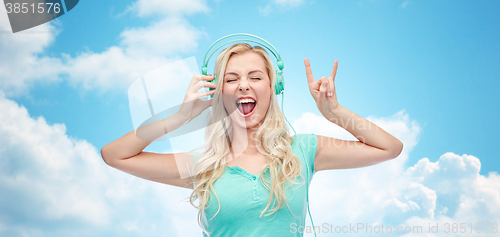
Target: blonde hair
271	139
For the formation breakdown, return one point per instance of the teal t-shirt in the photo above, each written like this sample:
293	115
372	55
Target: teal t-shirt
243	197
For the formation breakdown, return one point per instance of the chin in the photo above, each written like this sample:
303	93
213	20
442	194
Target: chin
249	122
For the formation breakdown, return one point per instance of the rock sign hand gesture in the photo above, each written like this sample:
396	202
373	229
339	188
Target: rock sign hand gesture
323	90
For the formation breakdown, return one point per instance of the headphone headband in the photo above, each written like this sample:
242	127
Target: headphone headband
272	49
279	85
232	41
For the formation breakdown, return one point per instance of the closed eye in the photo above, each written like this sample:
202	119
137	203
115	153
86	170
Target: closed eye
230	80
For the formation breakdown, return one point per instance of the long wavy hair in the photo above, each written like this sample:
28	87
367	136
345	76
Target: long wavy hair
272	140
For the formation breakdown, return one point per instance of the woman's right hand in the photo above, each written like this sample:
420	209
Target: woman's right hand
192	106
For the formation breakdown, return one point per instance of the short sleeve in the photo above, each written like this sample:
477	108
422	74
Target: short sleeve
306	145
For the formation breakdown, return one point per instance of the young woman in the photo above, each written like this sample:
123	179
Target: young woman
250	177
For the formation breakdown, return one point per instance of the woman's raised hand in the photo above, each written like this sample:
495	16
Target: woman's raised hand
323	90
192	106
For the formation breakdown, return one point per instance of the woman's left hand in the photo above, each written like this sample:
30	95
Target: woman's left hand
323	90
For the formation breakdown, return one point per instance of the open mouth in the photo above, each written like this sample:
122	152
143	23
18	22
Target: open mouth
246	107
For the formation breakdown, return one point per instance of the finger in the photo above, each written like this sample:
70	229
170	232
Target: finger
203	93
316	86
210	75
309	74
332	79
197	77
322	89
334	70
323	79
201	84
203	77
331	87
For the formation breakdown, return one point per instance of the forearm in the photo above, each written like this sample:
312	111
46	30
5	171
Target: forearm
364	130
135	141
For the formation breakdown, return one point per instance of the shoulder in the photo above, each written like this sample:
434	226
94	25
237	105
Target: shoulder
195	156
304	146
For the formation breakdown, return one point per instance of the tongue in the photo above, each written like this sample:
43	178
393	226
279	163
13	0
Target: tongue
247	107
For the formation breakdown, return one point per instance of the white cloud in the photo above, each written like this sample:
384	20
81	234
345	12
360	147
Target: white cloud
110	70
167	37
56	177
54	185
139	51
450	190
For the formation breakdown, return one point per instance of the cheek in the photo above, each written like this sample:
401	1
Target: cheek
224	89
265	108
267	98
229	87
226	92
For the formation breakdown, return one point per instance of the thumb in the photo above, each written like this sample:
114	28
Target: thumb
322	89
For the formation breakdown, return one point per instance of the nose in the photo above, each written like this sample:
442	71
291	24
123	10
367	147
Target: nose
244	85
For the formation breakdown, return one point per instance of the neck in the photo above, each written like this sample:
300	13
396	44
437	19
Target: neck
243	141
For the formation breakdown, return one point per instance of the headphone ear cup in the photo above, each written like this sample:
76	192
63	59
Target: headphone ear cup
280	85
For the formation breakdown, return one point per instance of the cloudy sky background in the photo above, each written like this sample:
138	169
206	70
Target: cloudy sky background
424	71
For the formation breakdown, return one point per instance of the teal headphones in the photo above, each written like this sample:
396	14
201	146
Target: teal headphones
278	87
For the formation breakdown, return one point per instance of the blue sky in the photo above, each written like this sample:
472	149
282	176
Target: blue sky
425	71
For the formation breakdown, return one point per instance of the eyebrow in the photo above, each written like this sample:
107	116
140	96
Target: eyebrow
236	74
